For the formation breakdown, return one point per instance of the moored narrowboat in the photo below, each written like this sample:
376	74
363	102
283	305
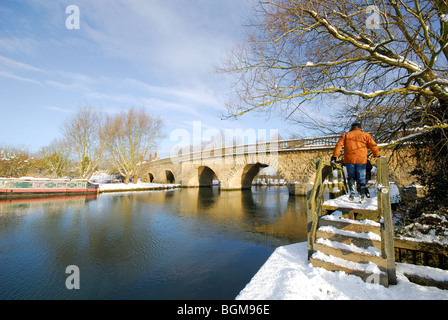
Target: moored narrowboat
30	187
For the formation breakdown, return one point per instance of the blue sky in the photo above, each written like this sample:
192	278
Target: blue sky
155	54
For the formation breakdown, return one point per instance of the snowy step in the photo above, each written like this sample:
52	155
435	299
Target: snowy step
351	225
351	246
343	202
359	239
350	252
369	272
353	213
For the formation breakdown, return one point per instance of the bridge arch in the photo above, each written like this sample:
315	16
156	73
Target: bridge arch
206	176
249	173
150	177
169	177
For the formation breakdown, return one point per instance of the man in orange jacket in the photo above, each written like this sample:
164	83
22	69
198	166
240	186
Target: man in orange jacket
355	143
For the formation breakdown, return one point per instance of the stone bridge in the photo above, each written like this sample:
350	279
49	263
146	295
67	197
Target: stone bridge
235	167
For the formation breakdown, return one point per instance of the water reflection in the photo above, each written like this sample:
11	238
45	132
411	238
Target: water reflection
17	206
267	210
176	244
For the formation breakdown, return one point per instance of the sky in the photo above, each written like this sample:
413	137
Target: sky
152	54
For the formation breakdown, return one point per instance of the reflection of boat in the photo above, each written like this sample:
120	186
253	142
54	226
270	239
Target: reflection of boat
49	202
32	187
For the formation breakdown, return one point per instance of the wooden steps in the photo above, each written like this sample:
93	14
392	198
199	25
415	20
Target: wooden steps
351	246
348	244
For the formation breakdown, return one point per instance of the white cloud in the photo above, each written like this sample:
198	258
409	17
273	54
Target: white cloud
13	64
180	40
16	45
18	78
59	109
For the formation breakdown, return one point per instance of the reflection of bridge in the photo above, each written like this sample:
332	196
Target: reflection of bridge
236	166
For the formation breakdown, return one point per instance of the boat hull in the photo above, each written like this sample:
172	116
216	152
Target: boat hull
27	187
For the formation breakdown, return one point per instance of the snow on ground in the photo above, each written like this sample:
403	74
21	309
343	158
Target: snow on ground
429	228
370	204
288	275
107	183
344	202
107	187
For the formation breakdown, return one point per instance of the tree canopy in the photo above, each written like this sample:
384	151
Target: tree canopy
129	137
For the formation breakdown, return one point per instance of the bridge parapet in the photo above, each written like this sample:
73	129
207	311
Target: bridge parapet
271	148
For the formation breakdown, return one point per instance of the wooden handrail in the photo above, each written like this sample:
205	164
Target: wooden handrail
316	195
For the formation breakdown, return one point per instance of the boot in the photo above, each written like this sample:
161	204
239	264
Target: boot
351	188
367	193
363	191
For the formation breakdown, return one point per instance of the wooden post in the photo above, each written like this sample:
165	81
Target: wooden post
313	206
385	211
340	173
331	182
310	207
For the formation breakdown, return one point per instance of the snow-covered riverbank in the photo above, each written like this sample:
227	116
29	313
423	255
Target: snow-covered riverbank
288	275
140	186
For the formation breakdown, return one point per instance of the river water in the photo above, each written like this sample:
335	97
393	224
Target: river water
175	244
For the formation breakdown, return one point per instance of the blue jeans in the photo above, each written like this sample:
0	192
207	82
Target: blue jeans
356	172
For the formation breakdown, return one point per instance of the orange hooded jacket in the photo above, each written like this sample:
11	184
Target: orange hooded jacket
355	143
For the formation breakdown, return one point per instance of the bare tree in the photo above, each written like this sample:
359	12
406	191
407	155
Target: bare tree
131	135
384	58
55	158
326	63
83	131
15	162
